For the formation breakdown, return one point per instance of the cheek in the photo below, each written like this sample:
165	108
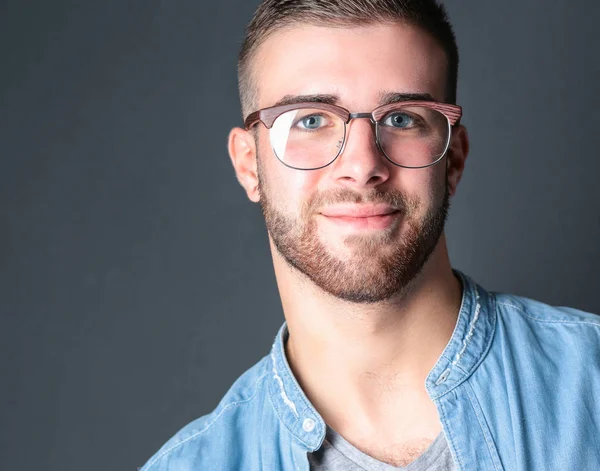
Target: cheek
426	185
287	188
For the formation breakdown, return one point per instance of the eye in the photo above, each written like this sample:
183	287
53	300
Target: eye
311	122
398	120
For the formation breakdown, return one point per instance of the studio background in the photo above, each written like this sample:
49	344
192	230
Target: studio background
135	281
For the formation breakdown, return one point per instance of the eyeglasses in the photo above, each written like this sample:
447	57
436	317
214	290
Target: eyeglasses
310	136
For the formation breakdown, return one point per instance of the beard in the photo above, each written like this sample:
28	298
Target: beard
379	265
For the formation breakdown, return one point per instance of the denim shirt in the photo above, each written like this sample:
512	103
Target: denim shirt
516	388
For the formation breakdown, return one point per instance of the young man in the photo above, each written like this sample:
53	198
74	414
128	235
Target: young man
389	358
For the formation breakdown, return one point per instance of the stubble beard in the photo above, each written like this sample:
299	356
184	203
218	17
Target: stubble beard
378	268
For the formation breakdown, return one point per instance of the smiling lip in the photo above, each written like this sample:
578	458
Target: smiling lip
358	211
361	216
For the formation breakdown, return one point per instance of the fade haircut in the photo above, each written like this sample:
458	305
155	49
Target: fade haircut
274	15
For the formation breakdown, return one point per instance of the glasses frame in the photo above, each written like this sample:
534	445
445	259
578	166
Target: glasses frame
267	117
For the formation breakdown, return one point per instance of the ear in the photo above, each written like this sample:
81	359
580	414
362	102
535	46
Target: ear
242	151
457	155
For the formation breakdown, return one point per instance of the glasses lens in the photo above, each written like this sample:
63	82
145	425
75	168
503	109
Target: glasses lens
307	138
414	136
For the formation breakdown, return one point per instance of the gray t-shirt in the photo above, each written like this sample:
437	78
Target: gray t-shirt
336	454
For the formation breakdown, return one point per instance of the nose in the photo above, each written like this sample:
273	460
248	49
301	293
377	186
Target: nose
361	163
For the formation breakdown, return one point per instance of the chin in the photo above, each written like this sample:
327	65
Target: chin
360	246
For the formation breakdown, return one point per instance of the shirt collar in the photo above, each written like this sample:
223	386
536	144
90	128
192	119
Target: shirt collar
467	347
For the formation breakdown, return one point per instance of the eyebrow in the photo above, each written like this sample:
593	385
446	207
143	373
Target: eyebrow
394	97
316	98
384	98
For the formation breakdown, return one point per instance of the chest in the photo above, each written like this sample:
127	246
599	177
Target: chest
397	454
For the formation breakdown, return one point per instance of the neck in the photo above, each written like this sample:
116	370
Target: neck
348	355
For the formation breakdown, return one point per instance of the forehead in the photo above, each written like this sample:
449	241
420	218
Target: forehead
357	64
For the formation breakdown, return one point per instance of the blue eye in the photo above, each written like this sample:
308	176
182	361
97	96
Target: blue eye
399	120
311	122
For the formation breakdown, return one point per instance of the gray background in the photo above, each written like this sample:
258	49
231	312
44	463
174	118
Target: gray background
136	282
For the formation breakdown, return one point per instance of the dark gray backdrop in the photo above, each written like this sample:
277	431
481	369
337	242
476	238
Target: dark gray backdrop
136	282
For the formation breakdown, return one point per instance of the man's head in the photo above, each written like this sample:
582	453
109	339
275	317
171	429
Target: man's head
356	54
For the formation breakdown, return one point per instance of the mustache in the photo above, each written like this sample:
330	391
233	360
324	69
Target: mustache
393	198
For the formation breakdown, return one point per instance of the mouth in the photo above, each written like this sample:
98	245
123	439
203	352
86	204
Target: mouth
357	217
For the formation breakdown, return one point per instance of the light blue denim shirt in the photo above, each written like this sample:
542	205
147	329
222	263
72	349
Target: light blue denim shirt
516	388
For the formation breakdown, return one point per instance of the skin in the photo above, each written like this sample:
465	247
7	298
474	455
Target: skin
370	358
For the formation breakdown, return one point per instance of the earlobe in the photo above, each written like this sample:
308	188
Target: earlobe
242	151
457	155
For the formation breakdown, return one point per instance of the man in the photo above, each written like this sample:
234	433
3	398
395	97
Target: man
389	358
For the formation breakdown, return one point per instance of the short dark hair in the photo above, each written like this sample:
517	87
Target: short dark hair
273	15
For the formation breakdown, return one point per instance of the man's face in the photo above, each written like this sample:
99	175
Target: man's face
366	259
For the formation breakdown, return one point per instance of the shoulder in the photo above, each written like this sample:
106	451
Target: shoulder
197	443
541	312
521	316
